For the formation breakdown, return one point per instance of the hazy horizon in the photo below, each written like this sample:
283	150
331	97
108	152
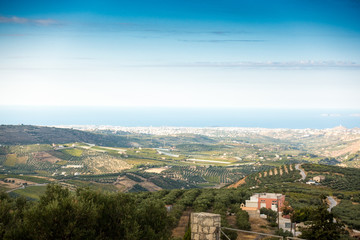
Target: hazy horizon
205	54
181	117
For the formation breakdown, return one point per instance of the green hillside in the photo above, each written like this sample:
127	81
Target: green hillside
28	134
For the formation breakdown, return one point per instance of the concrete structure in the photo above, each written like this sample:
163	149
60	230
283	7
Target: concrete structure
311	182
319	178
252	211
285	224
273	201
205	226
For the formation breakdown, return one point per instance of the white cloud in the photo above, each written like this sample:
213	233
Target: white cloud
331	115
308	64
19	20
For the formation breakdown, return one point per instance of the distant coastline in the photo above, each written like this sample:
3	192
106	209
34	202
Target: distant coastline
181	117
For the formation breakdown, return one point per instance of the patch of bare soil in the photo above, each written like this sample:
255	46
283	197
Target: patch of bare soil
8	185
47	178
12	183
257	222
150	186
286	170
45	157
22	160
291	168
155	170
351	148
238	183
180	229
124	183
232	222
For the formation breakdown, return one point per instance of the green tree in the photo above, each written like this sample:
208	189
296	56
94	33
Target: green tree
242	220
154	220
322	226
59	215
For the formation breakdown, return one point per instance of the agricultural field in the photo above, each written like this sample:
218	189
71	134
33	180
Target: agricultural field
32	193
184	165
176	158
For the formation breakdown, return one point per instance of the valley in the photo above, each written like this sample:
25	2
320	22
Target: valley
190	169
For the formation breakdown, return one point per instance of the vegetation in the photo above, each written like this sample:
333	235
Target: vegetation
146	162
349	213
31	193
84	215
28	134
281	174
242	220
322	226
271	216
347	179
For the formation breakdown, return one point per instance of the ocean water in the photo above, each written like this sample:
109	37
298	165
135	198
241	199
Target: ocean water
184	117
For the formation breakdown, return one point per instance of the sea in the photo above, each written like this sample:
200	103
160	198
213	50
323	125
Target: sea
180	117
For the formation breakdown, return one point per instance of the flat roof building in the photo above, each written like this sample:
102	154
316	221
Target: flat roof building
273	201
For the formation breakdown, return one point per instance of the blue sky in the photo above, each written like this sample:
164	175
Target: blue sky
243	54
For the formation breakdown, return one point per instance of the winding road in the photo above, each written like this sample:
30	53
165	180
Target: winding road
332	203
302	172
331	200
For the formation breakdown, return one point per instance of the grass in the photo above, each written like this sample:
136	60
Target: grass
62	162
212	179
11	160
73	152
31	192
205	185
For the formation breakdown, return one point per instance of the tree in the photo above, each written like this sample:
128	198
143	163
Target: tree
242	220
322	226
287	210
59	215
154	220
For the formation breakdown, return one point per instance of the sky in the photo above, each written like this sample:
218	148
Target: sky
297	54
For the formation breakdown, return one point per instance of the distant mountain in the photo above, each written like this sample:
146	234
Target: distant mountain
28	134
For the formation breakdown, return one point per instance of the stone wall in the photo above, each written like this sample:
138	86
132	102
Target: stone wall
205	226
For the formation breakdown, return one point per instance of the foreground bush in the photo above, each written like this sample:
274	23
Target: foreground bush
85	214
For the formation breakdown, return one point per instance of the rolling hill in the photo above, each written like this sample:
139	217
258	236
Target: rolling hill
28	134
